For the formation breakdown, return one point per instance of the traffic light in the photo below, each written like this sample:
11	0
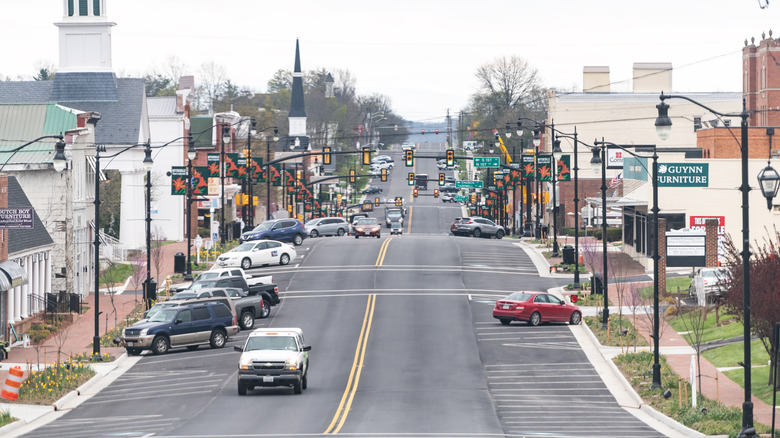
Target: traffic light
435	193
441	179
289	208
473	199
326	155
422	132
297	175
352	177
437	132
411	179
415	193
450	157
409	158
338	198
376	201
399	201
366	155
384	175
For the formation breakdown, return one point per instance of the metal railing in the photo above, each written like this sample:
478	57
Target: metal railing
113	249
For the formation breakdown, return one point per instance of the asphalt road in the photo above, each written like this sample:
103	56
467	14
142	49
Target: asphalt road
403	342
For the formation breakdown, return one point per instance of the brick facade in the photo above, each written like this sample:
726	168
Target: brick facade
761	80
661	233
711	243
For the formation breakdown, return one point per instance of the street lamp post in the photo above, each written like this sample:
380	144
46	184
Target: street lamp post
557	153
663	125
599	160
191	155
656	257
98	149
225	140
148	293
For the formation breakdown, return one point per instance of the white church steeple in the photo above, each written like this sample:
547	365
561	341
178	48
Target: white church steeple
85	37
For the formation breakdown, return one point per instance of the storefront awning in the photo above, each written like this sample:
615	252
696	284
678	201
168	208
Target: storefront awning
11	275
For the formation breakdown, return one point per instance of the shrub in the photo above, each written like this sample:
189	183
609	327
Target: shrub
613	234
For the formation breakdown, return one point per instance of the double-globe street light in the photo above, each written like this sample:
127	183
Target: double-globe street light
768	180
148	165
598	162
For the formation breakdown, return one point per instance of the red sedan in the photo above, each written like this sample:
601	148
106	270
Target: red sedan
535	308
368	227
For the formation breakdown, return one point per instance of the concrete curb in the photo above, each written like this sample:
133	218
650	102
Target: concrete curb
57	405
629	390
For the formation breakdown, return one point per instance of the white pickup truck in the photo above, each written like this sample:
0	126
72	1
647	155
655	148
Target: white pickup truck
273	357
215	272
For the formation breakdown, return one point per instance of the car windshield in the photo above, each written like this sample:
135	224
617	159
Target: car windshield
367	222
156	308
206	276
165	315
394	214
244	247
519	296
271	343
184	296
313	222
264	226
713	273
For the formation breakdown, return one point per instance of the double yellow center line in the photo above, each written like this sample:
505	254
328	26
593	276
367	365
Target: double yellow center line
360	353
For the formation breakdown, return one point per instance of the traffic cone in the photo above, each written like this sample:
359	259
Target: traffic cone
12	384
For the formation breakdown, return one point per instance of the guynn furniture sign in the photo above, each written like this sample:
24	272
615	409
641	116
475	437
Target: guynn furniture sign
683	175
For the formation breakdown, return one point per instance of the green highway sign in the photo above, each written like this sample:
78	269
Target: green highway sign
468	184
486	162
459	198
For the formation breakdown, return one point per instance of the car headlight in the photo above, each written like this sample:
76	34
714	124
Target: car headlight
143	332
245	363
291	364
123	333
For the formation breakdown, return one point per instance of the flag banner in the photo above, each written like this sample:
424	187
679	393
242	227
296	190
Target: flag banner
200	180
243	169
178	180
616	181
231	166
528	167
564	168
544	167
212	160
276	174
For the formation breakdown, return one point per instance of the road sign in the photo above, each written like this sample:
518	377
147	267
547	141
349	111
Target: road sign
459	198
486	162
469	184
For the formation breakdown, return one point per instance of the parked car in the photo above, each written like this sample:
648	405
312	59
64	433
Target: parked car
171	303
368	227
712	280
187	325
535	308
269	292
217	271
273	357
480	227
261	253
370	190
283	230
327	226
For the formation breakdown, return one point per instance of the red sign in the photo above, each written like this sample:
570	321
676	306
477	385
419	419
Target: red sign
698	222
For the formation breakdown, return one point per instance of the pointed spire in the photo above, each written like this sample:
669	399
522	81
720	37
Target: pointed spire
296	102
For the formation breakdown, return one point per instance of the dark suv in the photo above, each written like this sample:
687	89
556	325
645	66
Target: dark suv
186	325
283	230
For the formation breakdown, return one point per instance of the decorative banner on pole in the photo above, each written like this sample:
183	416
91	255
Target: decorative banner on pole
256	170
178	180
276	174
243	170
213	162
231	166
544	167
200	180
564	168
528	167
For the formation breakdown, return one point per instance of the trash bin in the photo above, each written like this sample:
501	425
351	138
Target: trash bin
597	284
236	231
179	263
568	255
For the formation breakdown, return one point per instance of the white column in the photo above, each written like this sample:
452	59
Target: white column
39	291
29	268
12	304
47	278
133	210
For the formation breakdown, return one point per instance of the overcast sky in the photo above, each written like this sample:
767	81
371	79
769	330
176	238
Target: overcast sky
420	53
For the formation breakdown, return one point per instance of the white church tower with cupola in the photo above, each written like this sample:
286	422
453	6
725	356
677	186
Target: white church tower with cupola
85	37
297	116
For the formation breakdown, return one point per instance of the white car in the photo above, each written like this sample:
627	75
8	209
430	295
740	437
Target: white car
407	146
273	357
258	253
382	165
379	158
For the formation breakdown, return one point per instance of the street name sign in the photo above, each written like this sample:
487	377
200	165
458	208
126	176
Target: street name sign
469	184
486	161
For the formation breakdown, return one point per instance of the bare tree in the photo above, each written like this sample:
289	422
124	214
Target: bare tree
634	301
212	79
60	337
694	324
508	81
137	276
158	241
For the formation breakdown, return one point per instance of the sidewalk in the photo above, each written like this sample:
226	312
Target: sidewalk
78	336
677	352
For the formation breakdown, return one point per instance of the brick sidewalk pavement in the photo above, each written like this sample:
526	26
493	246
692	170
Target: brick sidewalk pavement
714	384
78	335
